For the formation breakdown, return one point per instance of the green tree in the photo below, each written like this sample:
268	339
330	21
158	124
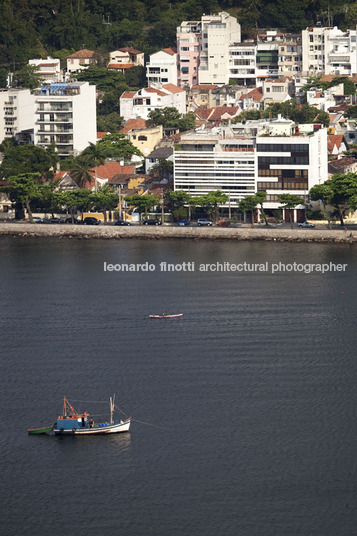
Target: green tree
27	77
80	171
21	159
261	197
339	192
142	202
249	204
22	190
105	200
289	202
164	169
117	146
177	201
111	122
96	155
170	117
211	202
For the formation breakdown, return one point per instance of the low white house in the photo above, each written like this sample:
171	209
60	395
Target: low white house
140	103
126	56
49	69
162	67
80	60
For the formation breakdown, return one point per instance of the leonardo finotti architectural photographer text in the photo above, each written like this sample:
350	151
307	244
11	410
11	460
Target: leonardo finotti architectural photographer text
273	268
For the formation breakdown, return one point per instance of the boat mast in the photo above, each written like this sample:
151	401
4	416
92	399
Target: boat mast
111	404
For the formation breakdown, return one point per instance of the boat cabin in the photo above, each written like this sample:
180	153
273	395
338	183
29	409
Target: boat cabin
71	420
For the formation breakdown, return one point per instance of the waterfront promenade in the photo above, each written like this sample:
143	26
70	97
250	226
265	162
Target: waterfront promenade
169	232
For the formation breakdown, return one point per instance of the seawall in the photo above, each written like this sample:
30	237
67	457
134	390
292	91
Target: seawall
167	232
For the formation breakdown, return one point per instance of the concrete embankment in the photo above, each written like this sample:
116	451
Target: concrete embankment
167	232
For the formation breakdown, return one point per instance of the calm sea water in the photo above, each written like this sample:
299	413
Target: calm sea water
244	410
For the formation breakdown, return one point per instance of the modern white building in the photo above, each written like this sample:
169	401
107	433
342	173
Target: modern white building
271	155
218	32
140	103
162	67
16	112
329	51
242	63
215	160
66	115
49	70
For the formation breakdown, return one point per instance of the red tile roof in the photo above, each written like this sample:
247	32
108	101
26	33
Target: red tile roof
216	114
101	135
82	54
130	50
172	88
170	51
109	170
204	86
334	140
120	65
133	124
256	94
128	95
154	90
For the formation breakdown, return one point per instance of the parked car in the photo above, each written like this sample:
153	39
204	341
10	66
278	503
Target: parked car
122	222
89	220
69	220
37	219
51	220
306	224
183	223
204	223
224	223
151	222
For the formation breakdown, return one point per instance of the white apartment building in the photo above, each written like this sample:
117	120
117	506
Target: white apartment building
290	55
329	51
16	112
215	160
66	115
162	67
49	69
218	32
242	63
140	103
272	155
188	53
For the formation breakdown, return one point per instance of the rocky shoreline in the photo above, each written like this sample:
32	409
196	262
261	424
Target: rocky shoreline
167	232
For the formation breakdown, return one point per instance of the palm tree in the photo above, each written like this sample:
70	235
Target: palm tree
80	171
96	157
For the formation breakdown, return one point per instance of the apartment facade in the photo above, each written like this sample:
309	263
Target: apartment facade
16	112
290	55
270	155
140	103
188	53
162	67
218	33
242	63
66	115
215	160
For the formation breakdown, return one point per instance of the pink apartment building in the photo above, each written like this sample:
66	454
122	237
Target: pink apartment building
188	52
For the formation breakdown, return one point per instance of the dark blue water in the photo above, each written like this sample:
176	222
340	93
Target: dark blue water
249	401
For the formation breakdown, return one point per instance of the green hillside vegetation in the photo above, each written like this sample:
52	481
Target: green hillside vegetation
37	28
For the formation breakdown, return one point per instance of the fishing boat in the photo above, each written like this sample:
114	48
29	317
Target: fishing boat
166	315
74	423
